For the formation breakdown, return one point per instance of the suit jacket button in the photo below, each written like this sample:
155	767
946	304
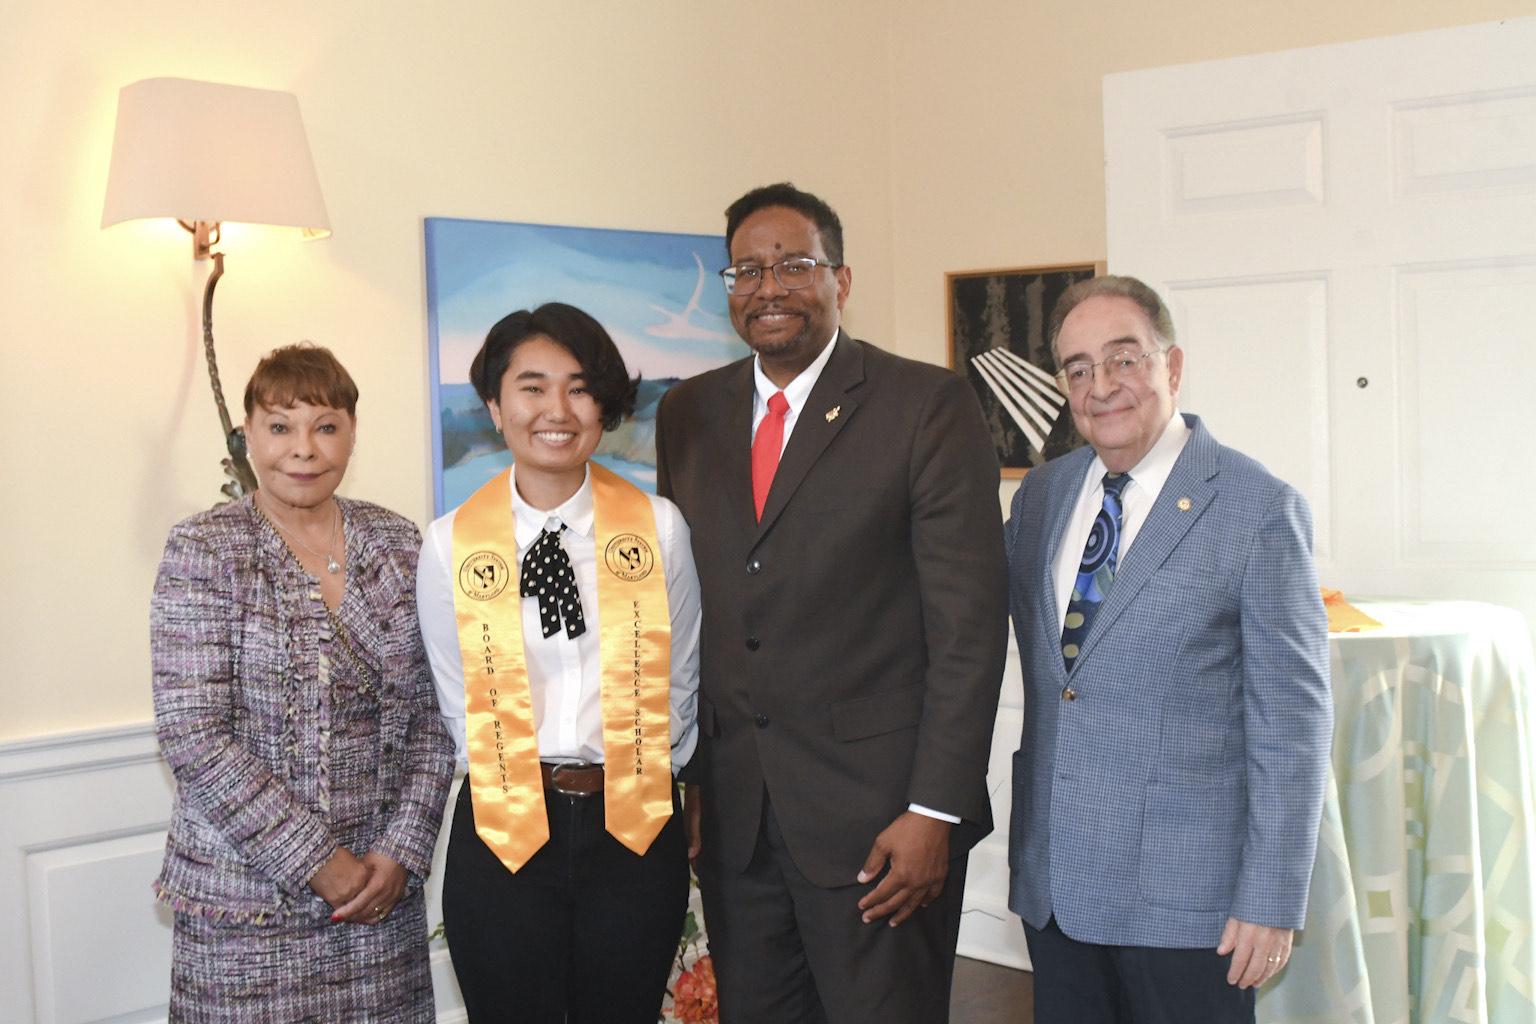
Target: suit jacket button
753	643
761	721
1069	694
754	567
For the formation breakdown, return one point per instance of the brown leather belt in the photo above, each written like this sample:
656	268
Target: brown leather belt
572	778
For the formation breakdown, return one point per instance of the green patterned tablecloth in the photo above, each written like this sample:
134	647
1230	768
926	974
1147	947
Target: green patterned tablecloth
1422	900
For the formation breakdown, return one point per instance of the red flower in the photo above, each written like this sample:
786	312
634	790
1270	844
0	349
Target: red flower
695	1001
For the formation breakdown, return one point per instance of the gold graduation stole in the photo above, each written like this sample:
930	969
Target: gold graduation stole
635	645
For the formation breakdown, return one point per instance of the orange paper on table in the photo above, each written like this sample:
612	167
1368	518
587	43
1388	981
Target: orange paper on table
1344	617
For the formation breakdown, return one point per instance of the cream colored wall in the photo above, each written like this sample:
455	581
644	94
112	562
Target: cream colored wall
612	114
949	137
997	127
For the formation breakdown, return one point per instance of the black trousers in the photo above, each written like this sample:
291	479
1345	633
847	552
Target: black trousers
1084	983
585	933
788	952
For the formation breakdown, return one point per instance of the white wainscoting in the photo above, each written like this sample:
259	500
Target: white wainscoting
82	830
988	929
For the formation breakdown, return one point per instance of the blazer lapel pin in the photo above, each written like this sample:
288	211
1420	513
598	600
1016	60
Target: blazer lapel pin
1185	504
832	413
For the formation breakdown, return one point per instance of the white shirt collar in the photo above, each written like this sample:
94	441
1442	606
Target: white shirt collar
798	391
575	513
1152	471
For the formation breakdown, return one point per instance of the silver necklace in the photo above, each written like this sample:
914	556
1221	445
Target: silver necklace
331	565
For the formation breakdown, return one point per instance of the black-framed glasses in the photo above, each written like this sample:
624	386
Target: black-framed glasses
1125	365
792	273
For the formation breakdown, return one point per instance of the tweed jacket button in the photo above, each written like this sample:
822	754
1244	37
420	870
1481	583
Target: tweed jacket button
1069	694
754	567
753	643
761	721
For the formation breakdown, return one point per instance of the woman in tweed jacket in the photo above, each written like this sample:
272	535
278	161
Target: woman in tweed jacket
294	705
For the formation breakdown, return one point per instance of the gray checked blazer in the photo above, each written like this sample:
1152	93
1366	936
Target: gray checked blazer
1183	782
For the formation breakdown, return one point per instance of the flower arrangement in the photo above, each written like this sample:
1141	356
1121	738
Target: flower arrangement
691	997
694	1000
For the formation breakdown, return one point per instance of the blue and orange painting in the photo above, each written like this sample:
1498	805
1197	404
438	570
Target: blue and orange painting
655	292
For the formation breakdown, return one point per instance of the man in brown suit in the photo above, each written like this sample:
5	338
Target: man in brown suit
844	510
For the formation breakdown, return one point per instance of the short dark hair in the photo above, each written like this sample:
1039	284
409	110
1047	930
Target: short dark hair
300	373
577	332
784	194
1111	285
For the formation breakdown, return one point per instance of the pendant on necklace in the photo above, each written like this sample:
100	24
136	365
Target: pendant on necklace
331	565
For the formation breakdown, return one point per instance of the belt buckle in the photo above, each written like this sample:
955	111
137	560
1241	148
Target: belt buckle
573	766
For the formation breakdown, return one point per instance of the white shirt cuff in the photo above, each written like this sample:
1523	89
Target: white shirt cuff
930	812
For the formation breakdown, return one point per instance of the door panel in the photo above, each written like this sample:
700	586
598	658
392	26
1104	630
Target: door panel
1347	238
1261	326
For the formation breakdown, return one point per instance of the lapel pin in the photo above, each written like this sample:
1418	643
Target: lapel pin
1185	504
832	413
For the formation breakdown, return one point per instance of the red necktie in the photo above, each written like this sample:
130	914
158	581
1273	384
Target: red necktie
765	450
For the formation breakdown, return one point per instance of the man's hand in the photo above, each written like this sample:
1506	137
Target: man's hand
916	848
693	817
1258	952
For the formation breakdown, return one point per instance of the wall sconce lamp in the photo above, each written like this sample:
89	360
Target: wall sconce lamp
204	154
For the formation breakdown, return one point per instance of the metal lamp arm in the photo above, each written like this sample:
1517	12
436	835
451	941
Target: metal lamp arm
242	479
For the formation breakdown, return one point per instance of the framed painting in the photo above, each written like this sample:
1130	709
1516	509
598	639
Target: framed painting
997	322
652	291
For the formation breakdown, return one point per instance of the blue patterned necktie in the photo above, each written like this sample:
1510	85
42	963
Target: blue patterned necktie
1096	571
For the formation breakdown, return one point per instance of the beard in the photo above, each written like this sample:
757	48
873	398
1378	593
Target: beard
784	341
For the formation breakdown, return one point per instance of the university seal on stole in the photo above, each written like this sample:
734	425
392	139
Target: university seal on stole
629	557
483	575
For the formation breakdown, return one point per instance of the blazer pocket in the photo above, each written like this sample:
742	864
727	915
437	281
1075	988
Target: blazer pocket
1192	843
878	713
1193	580
203	874
709	725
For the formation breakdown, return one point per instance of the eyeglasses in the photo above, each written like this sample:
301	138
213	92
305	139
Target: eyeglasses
792	274
1121	367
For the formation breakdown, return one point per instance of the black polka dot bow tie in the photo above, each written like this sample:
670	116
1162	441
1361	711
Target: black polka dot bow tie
547	575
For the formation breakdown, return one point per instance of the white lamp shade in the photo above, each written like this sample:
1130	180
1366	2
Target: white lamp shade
202	151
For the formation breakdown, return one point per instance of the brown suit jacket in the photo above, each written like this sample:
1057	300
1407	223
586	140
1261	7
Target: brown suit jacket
853	641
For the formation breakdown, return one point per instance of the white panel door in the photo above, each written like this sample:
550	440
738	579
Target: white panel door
1347	238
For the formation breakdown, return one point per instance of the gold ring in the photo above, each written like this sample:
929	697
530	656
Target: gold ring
1273	959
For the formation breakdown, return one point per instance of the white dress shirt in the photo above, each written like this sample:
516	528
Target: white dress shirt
1136	500
564	675
796	393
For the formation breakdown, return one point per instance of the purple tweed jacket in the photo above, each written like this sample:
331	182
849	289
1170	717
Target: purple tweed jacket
241	648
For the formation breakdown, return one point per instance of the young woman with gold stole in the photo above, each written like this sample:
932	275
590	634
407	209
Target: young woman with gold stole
560	609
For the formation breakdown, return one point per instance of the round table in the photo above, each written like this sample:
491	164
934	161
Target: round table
1424	893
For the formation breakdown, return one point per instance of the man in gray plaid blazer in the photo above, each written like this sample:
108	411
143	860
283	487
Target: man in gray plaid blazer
1178	716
